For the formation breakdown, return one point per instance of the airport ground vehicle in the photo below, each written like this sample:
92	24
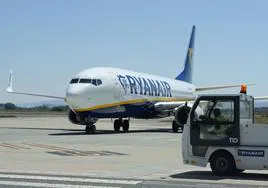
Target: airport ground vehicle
231	143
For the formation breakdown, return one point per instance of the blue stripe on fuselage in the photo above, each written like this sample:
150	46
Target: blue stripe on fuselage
142	110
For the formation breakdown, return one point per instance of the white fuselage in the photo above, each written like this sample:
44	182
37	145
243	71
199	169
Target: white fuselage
100	89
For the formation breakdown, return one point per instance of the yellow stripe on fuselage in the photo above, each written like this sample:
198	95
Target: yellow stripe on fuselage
126	102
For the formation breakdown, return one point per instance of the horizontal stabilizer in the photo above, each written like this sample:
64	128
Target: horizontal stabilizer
219	87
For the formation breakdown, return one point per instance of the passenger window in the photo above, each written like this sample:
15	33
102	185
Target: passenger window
88	81
73	81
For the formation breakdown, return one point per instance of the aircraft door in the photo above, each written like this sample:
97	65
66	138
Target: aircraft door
219	126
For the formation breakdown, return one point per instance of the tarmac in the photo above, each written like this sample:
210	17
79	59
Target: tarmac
52	152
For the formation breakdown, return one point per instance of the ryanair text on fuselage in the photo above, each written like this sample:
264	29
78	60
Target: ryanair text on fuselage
145	86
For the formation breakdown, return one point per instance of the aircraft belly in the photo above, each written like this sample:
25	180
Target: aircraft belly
129	110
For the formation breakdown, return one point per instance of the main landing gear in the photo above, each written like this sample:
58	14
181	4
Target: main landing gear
121	123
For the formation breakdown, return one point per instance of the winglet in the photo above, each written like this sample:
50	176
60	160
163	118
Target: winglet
10	89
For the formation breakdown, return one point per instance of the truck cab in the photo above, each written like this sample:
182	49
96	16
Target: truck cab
220	130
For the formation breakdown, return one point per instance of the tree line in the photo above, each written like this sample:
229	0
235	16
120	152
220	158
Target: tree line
11	106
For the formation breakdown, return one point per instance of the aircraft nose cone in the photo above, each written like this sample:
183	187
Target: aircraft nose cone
73	91
74	95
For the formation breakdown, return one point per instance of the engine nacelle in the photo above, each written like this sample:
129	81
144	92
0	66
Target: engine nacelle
75	119
182	113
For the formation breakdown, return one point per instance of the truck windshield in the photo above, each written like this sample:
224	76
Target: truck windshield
216	119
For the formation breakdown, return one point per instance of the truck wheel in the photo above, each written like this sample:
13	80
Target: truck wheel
222	163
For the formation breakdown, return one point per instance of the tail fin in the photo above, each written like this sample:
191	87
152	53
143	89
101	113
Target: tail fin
186	74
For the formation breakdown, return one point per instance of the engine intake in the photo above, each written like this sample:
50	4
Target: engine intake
181	114
74	118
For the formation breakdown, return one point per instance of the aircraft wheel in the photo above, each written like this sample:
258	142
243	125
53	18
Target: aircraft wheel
117	125
90	129
125	125
175	126
93	129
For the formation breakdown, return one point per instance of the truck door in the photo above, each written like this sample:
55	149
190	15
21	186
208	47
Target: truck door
218	124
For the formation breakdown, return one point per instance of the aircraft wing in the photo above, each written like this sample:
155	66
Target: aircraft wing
171	105
219	87
167	105
10	90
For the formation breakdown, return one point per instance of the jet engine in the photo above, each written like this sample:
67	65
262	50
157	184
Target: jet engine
81	120
182	112
75	119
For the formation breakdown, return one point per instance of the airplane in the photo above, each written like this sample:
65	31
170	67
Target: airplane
106	92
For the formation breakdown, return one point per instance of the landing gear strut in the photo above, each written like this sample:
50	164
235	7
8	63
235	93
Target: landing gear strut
176	126
121	123
90	127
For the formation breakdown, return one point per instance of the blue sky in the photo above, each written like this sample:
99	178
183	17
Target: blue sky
46	42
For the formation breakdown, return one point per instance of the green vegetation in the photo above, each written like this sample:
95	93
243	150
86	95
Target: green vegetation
9	110
261	115
262	119
10	107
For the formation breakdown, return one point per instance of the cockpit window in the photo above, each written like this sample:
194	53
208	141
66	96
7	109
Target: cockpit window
95	82
85	81
99	82
73	81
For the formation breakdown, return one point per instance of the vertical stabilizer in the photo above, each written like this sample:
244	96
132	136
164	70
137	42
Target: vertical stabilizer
186	74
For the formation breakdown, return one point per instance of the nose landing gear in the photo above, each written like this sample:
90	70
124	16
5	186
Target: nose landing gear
90	127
